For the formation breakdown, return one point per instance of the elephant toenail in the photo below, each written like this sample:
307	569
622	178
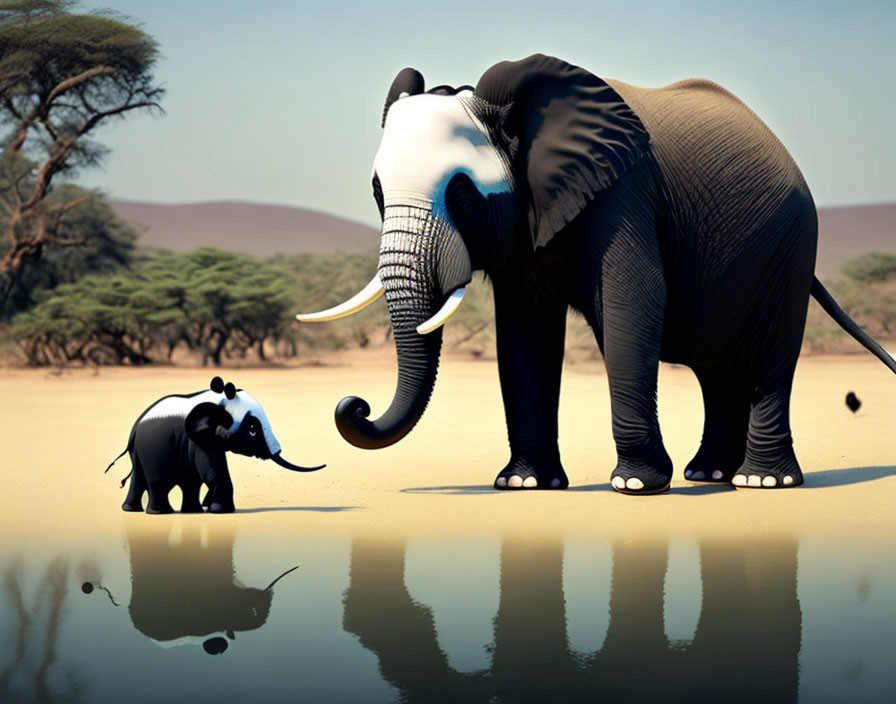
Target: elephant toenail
555	483
769	481
515	481
634	483
698	475
619	482
501	481
739	480
754	480
788	479
530	482
717	474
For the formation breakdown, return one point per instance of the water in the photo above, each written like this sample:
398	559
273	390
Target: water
180	612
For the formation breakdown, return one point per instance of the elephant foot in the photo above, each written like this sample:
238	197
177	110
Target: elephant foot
159	510
192	508
520	474
216	507
643	471
134	507
782	474
714	465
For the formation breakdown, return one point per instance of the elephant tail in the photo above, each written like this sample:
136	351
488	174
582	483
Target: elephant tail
833	309
123	452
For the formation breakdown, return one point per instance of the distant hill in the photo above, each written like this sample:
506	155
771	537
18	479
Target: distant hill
251	228
266	229
852	230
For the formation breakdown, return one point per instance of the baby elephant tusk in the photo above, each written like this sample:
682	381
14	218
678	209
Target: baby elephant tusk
360	300
447	310
277	459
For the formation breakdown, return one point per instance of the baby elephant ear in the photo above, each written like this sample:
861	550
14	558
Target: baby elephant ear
207	425
569	135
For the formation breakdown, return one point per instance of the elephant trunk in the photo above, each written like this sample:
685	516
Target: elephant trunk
422	261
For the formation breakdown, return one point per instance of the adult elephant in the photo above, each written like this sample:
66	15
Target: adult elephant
671	218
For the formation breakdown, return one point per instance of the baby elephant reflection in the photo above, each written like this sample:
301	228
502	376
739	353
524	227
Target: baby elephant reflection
186	592
745	647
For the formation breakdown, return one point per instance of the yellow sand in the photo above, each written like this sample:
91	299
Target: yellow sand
60	430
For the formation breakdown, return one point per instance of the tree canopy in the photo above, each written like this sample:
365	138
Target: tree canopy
61	76
109	244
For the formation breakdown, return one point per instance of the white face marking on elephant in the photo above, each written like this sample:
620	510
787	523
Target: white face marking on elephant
237	407
426	140
244	403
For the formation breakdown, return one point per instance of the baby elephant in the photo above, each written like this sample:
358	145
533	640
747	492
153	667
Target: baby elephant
182	440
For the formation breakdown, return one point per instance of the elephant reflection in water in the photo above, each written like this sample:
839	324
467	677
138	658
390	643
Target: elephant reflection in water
745	647
184	591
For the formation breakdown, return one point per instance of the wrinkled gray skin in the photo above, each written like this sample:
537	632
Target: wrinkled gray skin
672	219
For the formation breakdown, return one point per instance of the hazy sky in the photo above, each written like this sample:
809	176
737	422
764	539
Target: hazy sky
280	102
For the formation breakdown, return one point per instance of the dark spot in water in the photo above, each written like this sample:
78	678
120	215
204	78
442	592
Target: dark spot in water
87	587
215	646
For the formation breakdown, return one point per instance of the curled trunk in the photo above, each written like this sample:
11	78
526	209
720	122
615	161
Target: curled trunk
422	260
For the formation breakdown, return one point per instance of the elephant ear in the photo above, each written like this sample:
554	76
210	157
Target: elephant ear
569	135
207	425
409	81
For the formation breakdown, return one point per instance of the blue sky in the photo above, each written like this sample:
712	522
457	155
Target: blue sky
280	102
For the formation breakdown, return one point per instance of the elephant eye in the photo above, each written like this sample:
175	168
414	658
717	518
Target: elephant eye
252	431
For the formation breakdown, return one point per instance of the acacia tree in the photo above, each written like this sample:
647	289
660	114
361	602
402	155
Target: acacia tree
61	76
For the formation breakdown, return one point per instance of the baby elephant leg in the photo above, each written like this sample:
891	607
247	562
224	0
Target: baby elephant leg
212	469
190	496
138	486
158	497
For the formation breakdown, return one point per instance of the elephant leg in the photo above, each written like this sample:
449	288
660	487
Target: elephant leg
530	342
770	461
633	306
137	487
726	402
190	496
222	498
158	496
212	469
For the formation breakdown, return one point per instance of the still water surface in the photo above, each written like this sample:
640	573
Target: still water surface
182	613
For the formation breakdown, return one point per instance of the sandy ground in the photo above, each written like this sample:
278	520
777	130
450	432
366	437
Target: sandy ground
60	430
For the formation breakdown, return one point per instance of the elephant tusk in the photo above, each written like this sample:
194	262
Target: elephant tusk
446	311
277	459
360	300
